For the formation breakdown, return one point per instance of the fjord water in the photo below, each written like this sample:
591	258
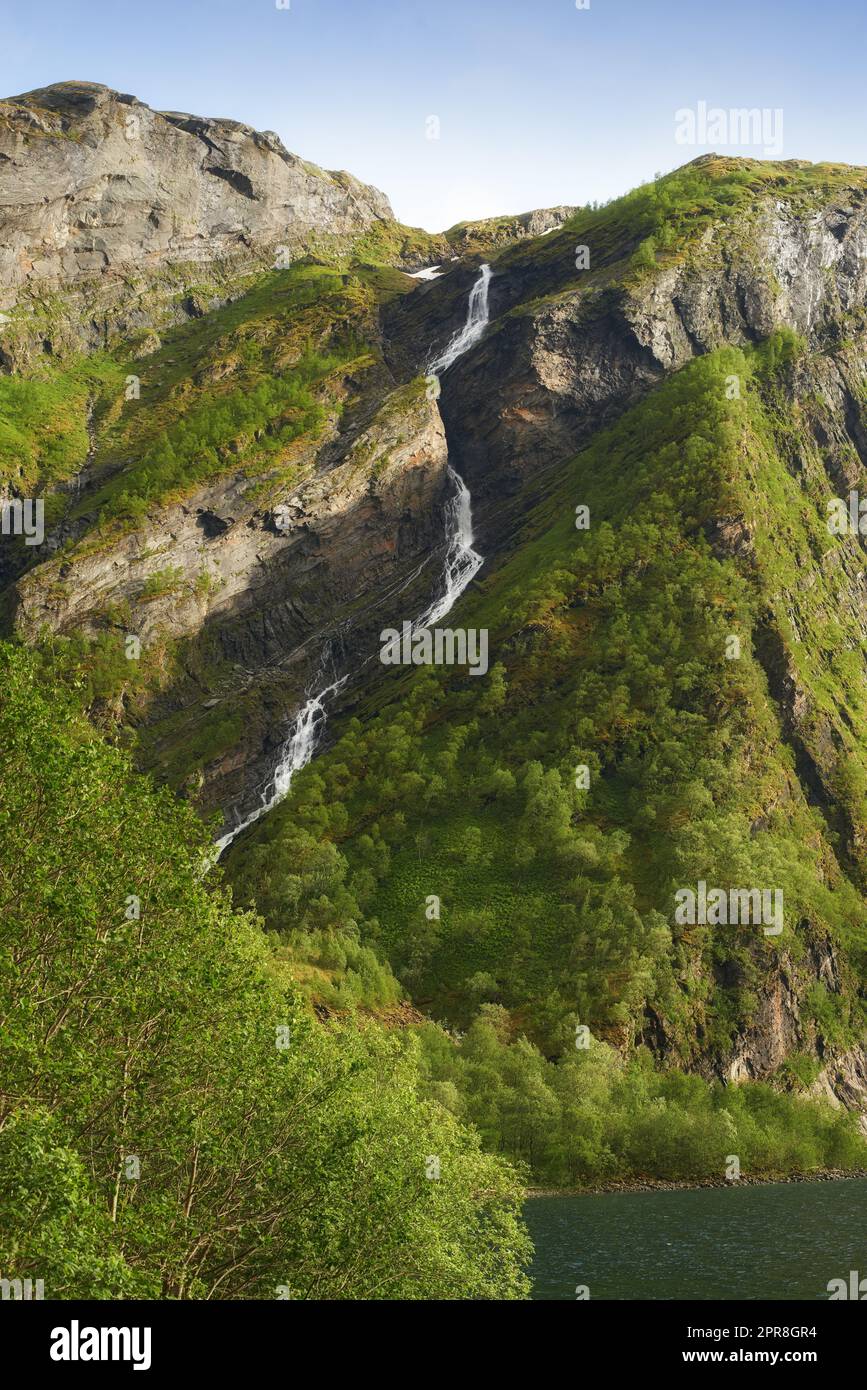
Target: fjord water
778	1241
461	563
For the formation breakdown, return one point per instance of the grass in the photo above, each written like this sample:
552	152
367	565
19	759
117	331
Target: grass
245	389
44	421
611	647
657	223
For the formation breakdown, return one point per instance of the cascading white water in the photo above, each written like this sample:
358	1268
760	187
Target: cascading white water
477	322
462	562
296	753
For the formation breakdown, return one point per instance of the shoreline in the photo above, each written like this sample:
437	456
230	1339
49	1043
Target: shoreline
691	1184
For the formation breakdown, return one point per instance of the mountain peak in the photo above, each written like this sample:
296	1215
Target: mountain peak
71	96
98	188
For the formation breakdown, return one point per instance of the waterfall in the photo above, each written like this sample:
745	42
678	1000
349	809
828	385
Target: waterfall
462	562
296	753
477	322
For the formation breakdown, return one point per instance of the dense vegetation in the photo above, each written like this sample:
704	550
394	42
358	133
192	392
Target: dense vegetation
610	652
173	1121
590	1116
474	886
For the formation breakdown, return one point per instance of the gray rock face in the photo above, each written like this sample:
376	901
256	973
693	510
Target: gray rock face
803	269
100	195
259	591
843	1083
501	231
565	355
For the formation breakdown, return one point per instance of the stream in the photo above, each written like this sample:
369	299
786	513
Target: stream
462	563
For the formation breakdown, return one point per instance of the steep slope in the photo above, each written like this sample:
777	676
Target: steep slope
740	767
688	363
588	319
115	219
267	493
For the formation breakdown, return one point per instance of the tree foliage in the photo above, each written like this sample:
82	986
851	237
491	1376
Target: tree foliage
174	1122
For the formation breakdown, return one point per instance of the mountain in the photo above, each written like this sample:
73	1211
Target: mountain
175	1123
117	219
254	465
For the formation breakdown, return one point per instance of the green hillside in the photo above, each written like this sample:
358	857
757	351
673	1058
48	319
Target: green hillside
174	1123
469	898
609	651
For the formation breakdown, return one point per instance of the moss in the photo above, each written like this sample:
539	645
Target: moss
393	244
44	421
612	647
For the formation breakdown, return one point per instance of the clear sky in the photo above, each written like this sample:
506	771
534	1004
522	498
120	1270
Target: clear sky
538	102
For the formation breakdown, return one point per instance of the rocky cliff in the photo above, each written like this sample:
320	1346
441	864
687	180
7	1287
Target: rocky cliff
570	348
260	489
236	587
119	224
111	212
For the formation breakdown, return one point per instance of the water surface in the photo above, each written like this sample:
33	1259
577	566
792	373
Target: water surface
775	1241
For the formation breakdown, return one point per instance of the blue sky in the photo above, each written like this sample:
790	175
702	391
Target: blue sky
538	102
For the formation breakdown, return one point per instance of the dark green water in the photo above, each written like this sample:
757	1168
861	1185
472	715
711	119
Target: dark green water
780	1241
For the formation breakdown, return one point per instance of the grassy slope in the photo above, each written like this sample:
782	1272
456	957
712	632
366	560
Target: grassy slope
610	651
661	223
246	389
